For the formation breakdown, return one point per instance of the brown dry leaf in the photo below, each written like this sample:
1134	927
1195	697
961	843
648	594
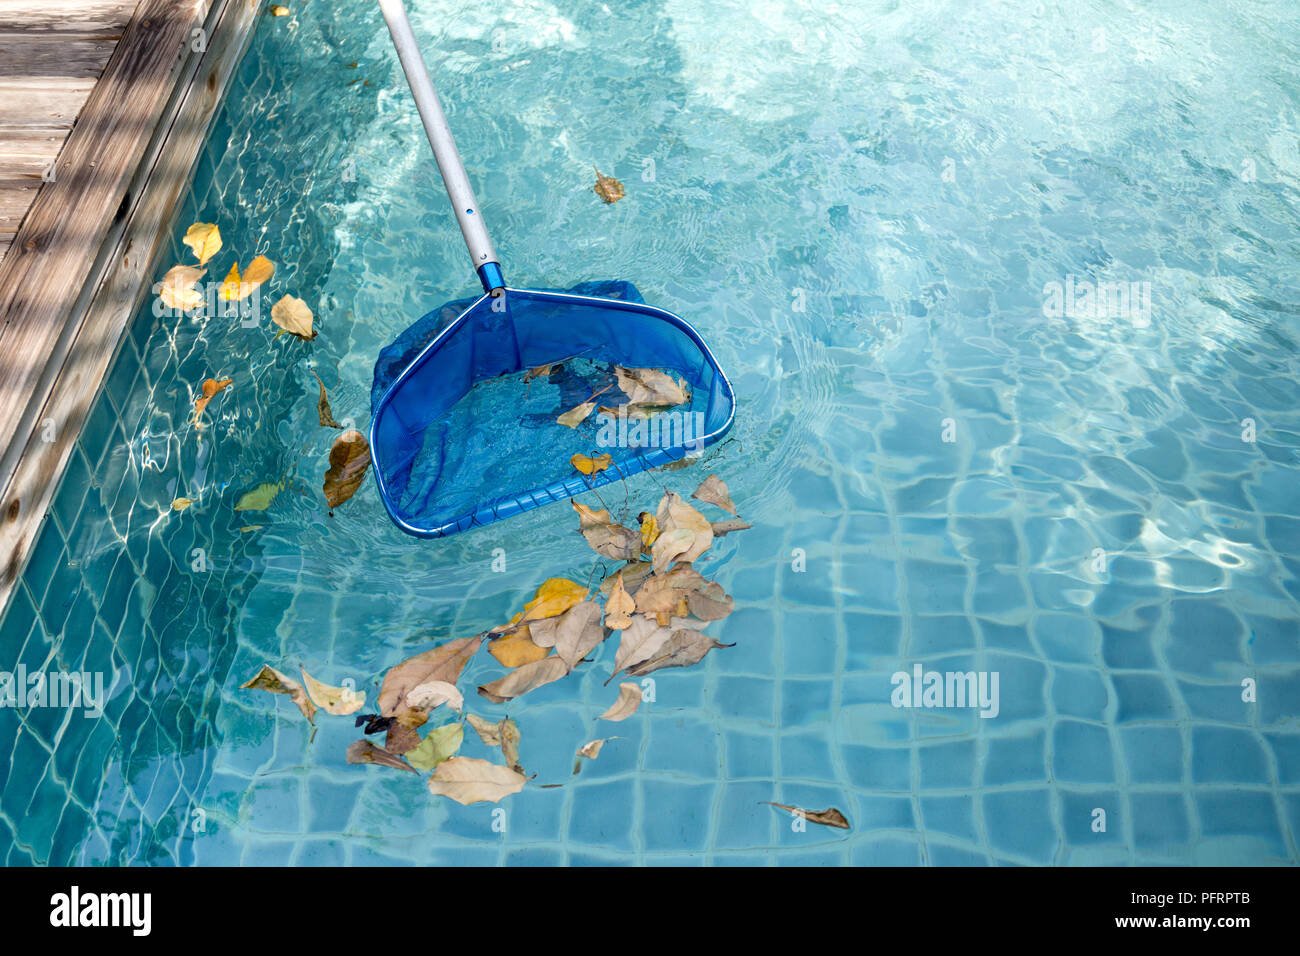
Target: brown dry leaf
684	648
508	733
323	411
674	515
576	415
714	491
608	188
177	288
827	818
523	679
632	573
630	412
710	603
619	607
363	751
723	528
540	371
349	461
332	700
180	504
205	239
629	699
639	641
487	731
270	679
294	316
517	649
402	737
578	633
606	537
648	386
663	596
443	663
470	780
589	466
210	388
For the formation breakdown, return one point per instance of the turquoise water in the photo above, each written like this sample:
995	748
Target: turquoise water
860	209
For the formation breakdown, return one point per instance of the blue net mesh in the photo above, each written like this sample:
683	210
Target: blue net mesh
460	436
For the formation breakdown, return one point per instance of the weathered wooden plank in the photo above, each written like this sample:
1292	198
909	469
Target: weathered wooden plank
105	18
43	102
14	203
128	262
54	55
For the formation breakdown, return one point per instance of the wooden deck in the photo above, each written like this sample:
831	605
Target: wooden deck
115	98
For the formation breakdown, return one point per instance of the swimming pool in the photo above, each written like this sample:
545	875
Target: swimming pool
880	216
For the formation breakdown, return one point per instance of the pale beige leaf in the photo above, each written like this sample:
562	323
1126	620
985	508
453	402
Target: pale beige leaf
619	606
674	514
332	700
684	648
629	699
576	415
177	288
434	693
723	528
469	780
486	730
579	632
508	731
713	490
294	316
639	642
523	679
710	603
647	386
205	239
442	663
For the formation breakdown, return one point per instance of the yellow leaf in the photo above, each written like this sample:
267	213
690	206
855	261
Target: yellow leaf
294	316
517	649
177	288
205	239
349	461
258	271
555	596
589	466
238	288
332	700
230	287
649	531
180	504
210	388
279	11
270	679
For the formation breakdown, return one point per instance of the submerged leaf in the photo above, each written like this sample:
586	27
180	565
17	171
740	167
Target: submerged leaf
648	386
441	744
723	528
205	239
523	679
260	498
180	504
629	699
349	461
576	415
714	491
442	663
590	750
469	780
210	389
829	817
363	751
294	316
323	411
589	466
608	188
332	700
270	679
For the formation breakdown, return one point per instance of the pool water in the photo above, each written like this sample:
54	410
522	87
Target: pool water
880	216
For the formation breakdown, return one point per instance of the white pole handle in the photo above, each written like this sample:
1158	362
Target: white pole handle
445	153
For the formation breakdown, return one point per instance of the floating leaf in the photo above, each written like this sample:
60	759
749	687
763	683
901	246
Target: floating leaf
589	466
555	596
684	648
578	633
629	699
517	649
543	633
663	596
648	386
486	730
294	316
631	412
469	780
363	751
541	371
649	530
632	573
205	239
827	818
180	504
441	744
619	607
508	733
230	286
576	415
402	737
442	663
608	188
607	538
670	546
674	514
639	642
723	528
279	11
177	288
434	693
332	700
714	491
323	411
375	724
260	498
270	679
710	603
590	750
523	679
349	461
210	389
